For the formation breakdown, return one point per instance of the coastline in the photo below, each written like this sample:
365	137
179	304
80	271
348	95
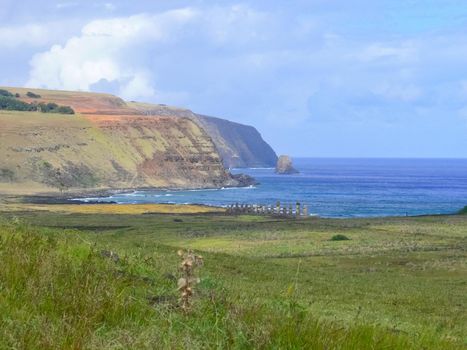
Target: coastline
70	203
74	196
330	190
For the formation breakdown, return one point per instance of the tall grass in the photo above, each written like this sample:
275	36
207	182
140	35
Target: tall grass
59	292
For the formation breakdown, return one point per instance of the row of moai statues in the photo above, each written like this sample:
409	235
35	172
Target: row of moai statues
277	210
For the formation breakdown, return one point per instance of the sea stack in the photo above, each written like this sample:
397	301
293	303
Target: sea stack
284	166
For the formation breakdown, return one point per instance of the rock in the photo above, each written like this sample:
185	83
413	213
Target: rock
244	180
284	166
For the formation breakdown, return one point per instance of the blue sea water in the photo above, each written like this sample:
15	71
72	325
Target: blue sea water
340	188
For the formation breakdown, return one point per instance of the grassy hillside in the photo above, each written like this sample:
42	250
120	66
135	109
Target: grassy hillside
396	283
82	102
107	144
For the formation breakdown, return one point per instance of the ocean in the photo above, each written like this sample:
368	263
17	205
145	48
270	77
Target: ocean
334	187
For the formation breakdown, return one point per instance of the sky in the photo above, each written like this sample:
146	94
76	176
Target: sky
320	78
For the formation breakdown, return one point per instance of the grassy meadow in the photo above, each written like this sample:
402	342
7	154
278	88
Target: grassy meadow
266	283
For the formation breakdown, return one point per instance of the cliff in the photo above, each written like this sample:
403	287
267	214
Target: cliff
240	146
107	144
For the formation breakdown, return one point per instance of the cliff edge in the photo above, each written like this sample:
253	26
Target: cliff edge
240	146
107	144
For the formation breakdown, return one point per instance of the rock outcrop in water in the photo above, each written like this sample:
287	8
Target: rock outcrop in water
284	166
107	144
245	180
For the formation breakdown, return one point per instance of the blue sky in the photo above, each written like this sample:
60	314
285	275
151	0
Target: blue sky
359	78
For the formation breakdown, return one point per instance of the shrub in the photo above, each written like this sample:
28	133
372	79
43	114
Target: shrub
188	281
5	93
54	108
65	110
6	174
32	95
463	211
339	238
12	104
47	107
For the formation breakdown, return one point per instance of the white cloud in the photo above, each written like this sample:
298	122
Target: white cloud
100	53
139	27
28	35
64	5
120	49
36	35
405	93
238	24
194	56
109	6
138	87
401	53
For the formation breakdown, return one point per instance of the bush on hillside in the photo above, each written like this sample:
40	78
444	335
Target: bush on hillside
10	103
339	238
6	175
47	107
54	108
65	110
32	95
5	93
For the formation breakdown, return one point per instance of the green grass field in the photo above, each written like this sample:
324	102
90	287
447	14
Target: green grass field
396	283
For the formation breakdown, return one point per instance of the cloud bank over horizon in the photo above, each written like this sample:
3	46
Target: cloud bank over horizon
317	78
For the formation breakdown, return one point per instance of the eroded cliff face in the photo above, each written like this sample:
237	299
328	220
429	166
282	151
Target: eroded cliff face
240	146
107	144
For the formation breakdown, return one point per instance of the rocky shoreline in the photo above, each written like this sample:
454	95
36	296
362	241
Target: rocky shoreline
77	196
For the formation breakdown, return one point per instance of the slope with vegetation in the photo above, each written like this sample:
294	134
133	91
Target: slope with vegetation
109	281
10	102
108	144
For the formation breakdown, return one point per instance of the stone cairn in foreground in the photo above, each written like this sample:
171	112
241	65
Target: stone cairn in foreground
273	210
